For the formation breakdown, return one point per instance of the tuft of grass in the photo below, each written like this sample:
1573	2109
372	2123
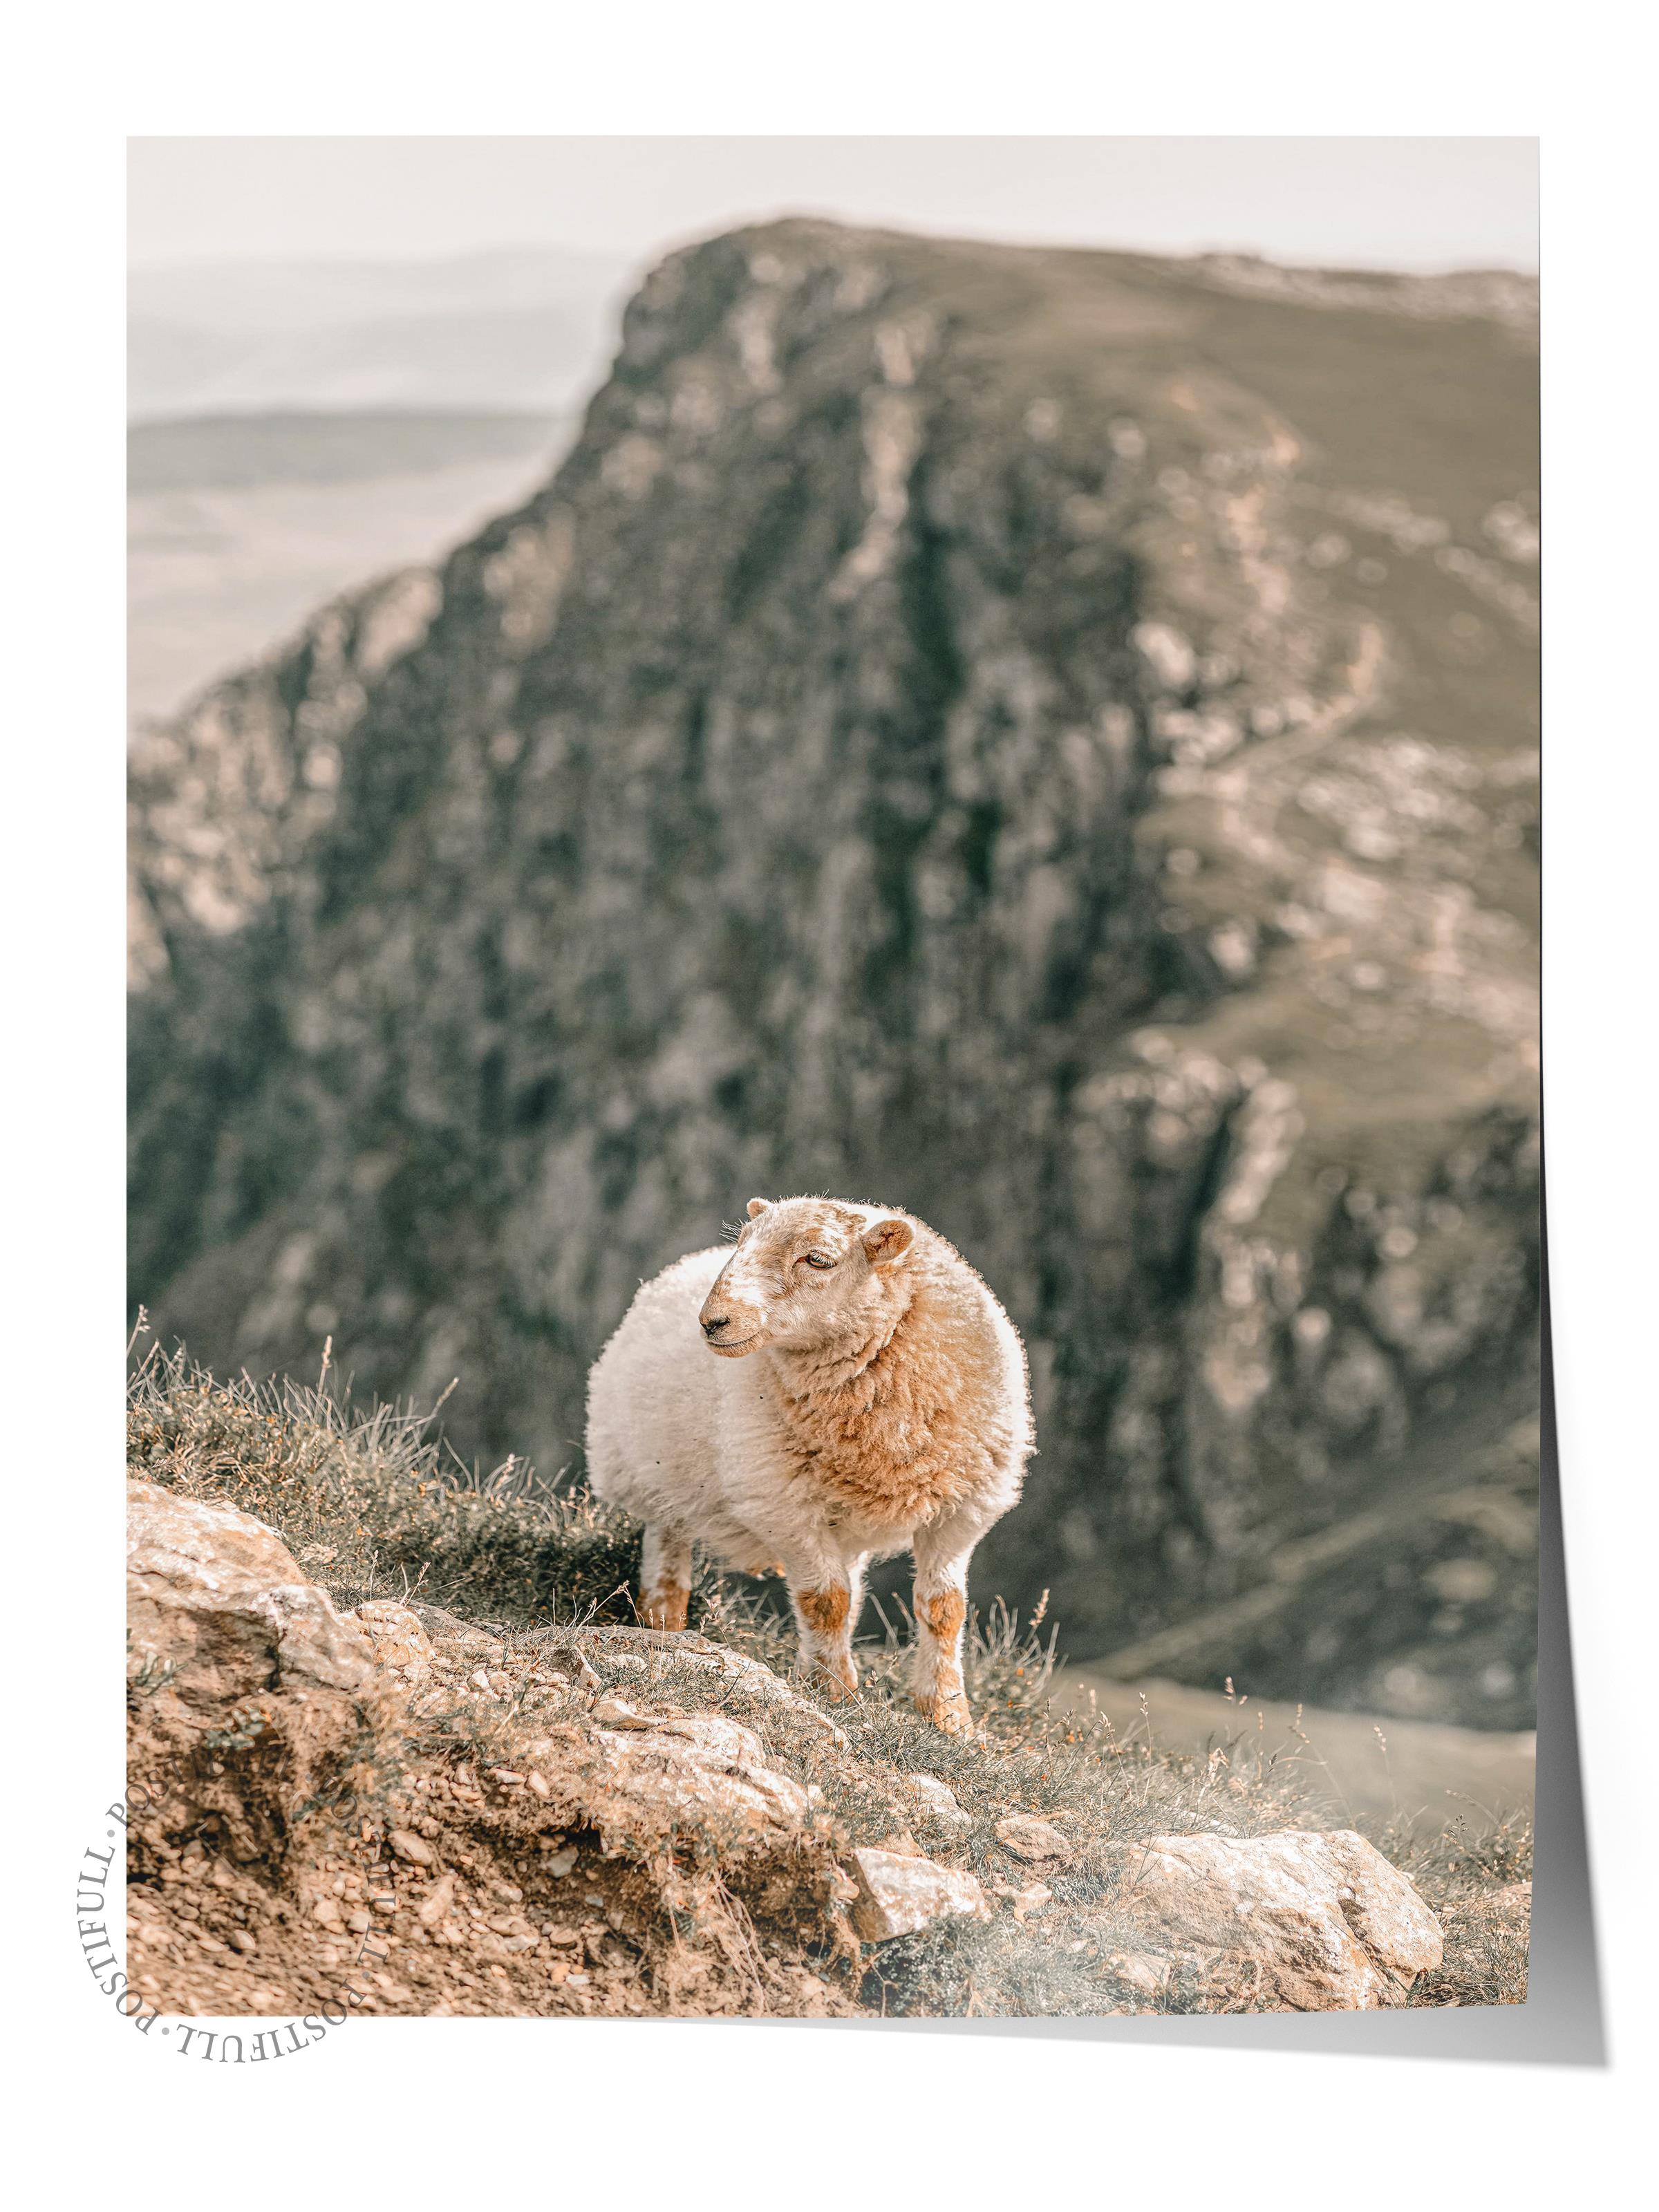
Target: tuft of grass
373	1503
1476	1876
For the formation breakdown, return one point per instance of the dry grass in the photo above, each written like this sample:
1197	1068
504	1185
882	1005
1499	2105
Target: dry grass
373	1501
373	1505
1477	1875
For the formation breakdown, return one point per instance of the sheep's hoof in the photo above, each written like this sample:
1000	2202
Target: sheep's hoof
950	1714
835	1687
664	1608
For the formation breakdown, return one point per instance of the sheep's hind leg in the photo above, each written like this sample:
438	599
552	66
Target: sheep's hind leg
826	1614
664	1578
941	1609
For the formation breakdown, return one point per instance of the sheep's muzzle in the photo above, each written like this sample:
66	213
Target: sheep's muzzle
728	1328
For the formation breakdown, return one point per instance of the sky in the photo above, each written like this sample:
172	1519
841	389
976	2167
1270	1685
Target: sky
1423	203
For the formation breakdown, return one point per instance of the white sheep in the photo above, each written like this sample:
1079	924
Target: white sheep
838	1387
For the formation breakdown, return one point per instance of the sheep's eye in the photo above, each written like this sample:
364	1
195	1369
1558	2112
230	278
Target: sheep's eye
817	1259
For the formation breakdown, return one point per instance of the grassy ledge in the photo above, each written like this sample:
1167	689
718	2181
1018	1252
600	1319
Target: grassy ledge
374	1505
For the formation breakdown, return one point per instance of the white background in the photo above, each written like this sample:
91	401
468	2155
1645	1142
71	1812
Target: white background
718	2114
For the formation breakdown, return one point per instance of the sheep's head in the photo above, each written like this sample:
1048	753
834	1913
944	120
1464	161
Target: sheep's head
806	1272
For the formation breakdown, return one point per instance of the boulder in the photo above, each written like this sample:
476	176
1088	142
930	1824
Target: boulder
217	1602
1143	1972
1028	1838
252	1701
399	1641
698	1764
937	1801
1035	1897
613	1712
1298	1921
898	1894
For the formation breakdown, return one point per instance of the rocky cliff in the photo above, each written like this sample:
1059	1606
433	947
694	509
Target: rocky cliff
1044	738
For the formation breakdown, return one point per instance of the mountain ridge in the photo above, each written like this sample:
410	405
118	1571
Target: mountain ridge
1046	737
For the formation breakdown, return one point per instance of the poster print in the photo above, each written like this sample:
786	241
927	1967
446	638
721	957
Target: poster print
835	1128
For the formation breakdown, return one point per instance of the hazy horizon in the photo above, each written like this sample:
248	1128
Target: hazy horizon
357	281
1418	205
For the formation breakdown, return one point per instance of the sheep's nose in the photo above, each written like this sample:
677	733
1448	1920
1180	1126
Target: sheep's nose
716	1323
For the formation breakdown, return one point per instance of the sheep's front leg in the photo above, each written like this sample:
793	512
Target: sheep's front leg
941	1609
826	1602
664	1578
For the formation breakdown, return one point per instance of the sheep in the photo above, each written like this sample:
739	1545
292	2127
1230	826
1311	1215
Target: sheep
839	1387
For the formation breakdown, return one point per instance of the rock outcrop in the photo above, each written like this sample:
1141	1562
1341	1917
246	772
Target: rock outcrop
328	1805
394	1809
1045	738
219	1606
399	1641
252	1701
1028	1838
901	1892
1302	1921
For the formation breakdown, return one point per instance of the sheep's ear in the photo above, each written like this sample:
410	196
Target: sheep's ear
757	1206
886	1241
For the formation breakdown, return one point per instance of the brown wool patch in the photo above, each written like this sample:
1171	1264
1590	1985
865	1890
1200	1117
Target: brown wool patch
896	1427
945	1614
823	1611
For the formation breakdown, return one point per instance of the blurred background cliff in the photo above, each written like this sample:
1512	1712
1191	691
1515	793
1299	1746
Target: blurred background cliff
1046	737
